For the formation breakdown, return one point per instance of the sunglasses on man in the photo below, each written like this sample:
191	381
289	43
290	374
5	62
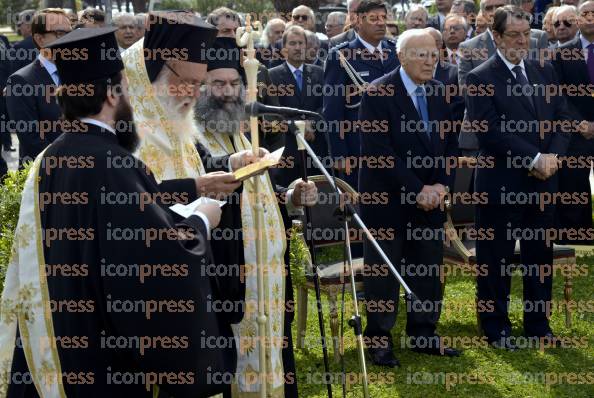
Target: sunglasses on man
568	24
300	17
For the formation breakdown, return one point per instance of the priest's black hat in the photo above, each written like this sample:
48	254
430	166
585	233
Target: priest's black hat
225	53
179	35
87	55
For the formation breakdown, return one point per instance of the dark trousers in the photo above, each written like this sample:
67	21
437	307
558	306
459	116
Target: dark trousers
493	286
418	262
576	215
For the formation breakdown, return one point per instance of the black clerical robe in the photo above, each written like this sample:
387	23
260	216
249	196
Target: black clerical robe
230	253
131	303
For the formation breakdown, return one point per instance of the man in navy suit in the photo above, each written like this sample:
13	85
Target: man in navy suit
575	70
447	73
406	168
14	58
30	92
523	132
370	56
302	86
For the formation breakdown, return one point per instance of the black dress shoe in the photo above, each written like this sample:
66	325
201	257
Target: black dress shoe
504	344
439	351
383	357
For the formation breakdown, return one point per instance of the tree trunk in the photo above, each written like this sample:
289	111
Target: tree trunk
139	6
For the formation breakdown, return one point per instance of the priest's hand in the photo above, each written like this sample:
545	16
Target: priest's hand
243	158
305	194
212	211
217	184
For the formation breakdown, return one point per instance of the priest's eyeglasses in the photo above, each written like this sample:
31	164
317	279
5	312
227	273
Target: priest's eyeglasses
184	81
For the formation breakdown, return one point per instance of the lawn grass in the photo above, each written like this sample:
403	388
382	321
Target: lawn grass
480	371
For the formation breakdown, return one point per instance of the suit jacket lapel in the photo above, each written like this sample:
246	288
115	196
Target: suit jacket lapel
508	76
581	68
433	107
304	77
407	106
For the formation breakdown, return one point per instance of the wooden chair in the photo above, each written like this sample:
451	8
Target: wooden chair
462	251
330	233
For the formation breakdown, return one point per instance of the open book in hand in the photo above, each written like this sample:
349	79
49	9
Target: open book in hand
260	166
187	210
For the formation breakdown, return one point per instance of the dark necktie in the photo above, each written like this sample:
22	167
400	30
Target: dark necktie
422	109
590	62
522	81
298	78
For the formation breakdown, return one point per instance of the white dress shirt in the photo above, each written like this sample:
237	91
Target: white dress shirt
51	69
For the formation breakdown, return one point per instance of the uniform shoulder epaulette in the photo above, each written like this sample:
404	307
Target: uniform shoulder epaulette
339	46
391	41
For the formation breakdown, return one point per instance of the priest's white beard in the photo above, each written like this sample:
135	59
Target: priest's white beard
179	111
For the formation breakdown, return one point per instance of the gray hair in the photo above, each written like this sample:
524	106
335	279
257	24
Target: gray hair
431	30
339	15
456	16
308	9
415	8
352	5
564	8
311	37
406	36
264	38
119	17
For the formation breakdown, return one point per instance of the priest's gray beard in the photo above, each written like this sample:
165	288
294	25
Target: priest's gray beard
179	110
222	115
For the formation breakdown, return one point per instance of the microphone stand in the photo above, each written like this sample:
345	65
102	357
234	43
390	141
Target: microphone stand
300	131
350	213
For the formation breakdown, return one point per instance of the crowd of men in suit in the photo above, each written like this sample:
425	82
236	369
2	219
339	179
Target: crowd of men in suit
483	83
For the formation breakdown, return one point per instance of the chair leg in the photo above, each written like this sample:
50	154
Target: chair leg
301	315
567	291
334	326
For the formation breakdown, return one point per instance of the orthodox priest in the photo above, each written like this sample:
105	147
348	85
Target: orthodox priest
221	119
105	294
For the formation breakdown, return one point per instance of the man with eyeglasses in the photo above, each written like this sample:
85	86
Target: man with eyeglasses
524	165
126	34
565	24
30	92
348	68
477	50
574	63
335	23
454	33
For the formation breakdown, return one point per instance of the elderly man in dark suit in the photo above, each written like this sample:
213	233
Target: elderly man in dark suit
523	136
416	143
347	68
302	84
30	92
574	69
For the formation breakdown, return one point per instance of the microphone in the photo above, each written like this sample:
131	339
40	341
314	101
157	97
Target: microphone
257	109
